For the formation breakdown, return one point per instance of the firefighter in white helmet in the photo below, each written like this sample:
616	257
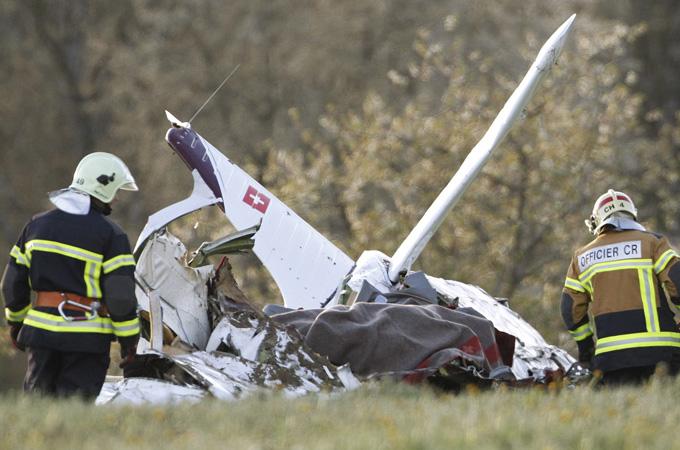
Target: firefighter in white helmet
614	301
80	265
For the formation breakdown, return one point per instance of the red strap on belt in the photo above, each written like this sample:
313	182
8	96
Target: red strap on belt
52	299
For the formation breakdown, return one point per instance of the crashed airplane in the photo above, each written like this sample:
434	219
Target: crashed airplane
343	321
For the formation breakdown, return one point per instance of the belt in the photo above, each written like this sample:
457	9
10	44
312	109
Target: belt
53	299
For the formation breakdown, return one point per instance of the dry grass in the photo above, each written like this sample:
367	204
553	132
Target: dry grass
373	417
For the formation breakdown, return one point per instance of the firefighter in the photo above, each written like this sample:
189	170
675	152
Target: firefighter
81	268
615	297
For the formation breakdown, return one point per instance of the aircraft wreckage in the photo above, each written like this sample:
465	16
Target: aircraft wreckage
343	321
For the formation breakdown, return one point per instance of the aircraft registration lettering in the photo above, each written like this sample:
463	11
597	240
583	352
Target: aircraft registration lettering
611	252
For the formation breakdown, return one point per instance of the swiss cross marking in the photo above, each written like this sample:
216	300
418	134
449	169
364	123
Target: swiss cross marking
256	199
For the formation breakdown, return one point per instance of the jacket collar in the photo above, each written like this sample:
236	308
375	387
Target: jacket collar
623	223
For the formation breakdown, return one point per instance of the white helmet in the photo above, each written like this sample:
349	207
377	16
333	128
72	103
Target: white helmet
101	174
607	204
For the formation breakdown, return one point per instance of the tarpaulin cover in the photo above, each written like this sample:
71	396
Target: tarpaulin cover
381	338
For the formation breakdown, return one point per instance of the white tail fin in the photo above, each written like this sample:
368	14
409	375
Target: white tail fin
305	265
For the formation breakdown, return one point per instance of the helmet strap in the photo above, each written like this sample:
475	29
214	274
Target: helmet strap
100	206
591	224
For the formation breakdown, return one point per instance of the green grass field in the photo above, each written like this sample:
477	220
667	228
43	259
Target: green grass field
374	417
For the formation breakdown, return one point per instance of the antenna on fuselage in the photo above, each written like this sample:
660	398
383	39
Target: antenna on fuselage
215	92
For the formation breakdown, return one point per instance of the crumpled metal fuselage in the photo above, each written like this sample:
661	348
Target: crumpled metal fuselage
205	349
245	351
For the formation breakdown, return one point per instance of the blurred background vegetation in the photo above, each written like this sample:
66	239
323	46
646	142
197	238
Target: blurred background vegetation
355	114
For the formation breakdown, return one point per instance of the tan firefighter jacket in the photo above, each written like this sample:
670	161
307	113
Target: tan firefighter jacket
621	280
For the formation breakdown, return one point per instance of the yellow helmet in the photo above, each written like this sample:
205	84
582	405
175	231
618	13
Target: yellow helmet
607	204
101	174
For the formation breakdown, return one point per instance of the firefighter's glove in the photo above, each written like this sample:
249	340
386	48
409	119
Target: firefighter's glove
127	361
14	335
128	346
128	351
586	351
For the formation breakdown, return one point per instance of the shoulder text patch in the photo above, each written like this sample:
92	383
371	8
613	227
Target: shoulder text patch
611	252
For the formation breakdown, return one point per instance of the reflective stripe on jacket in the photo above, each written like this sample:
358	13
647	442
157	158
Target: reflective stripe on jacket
63	252
621	279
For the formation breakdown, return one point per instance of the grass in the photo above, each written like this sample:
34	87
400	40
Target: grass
374	417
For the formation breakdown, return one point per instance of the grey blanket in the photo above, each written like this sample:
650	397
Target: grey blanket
380	338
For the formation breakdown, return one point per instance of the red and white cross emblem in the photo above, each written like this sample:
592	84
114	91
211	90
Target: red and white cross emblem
256	199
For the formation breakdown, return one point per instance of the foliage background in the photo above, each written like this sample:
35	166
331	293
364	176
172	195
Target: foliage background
356	114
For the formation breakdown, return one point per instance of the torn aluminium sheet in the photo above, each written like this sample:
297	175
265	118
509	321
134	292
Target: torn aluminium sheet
245	352
182	290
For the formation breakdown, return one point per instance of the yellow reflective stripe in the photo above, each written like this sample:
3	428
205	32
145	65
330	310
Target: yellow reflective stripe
97	276
62	249
50	322
93	261
87	277
648	296
126	328
117	262
582	332
589	287
637	340
623	264
664	259
91	277
19	257
574	285
17	316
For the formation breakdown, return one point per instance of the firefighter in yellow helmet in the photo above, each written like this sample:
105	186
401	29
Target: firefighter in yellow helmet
614	301
81	268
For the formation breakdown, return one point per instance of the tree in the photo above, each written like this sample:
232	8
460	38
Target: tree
356	114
